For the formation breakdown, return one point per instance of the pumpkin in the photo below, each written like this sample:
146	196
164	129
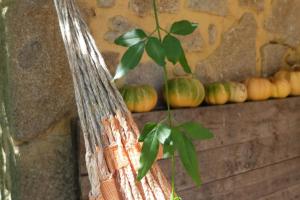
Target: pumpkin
280	88
238	91
258	88
139	98
293	77
217	93
184	92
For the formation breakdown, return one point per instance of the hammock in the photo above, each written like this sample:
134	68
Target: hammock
110	134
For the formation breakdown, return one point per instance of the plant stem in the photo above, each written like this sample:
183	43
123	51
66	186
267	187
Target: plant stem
167	96
173	175
164	67
156	19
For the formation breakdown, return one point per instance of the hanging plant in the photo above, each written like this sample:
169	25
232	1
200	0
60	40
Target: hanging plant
173	137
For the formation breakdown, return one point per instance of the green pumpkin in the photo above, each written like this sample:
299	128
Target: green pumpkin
139	98
217	93
184	92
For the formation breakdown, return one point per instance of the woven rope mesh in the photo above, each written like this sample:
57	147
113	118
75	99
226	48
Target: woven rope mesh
104	117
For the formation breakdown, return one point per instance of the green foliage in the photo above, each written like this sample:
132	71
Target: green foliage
196	131
154	134
183	27
173	138
156	51
131	38
187	153
130	59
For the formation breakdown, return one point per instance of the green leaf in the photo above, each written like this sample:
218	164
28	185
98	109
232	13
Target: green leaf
149	153
168	150
164	133
172	48
146	130
196	131
183	27
130	59
131	38
156	51
187	154
184	63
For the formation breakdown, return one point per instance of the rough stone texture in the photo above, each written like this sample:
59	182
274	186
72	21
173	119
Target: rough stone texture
111	59
117	25
284	21
169	6
272	58
144	7
293	56
217	7
140	7
106	3
47	167
212	34
258	5
235	59
193	42
42	89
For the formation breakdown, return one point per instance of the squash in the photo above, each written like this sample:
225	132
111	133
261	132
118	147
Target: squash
217	93
238	91
184	92
139	98
293	77
280	88
258	88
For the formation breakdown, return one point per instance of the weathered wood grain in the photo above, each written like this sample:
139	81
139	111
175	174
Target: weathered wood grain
238	158
236	123
232	123
248	137
252	185
290	193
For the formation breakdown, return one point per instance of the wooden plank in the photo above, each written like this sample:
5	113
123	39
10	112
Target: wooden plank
253	185
233	123
238	158
236	123
246	186
291	193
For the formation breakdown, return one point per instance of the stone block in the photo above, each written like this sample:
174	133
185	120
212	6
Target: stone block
41	84
106	3
258	5
216	7
235	58
272	56
212	34
47	166
117	26
284	22
193	42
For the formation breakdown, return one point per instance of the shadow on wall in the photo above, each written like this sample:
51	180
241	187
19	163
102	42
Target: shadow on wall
8	152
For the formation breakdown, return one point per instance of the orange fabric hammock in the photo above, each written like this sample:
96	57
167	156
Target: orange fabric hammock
110	134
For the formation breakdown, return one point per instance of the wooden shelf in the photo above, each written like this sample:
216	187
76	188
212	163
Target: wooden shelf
255	151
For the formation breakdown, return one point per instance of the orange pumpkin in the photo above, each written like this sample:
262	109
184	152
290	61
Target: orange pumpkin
258	88
293	77
280	88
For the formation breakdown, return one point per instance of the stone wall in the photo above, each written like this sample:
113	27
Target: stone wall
42	101
235	38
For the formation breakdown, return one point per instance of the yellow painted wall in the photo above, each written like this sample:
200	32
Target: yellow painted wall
98	25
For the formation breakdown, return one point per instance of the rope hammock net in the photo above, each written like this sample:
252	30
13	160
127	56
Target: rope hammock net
110	134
